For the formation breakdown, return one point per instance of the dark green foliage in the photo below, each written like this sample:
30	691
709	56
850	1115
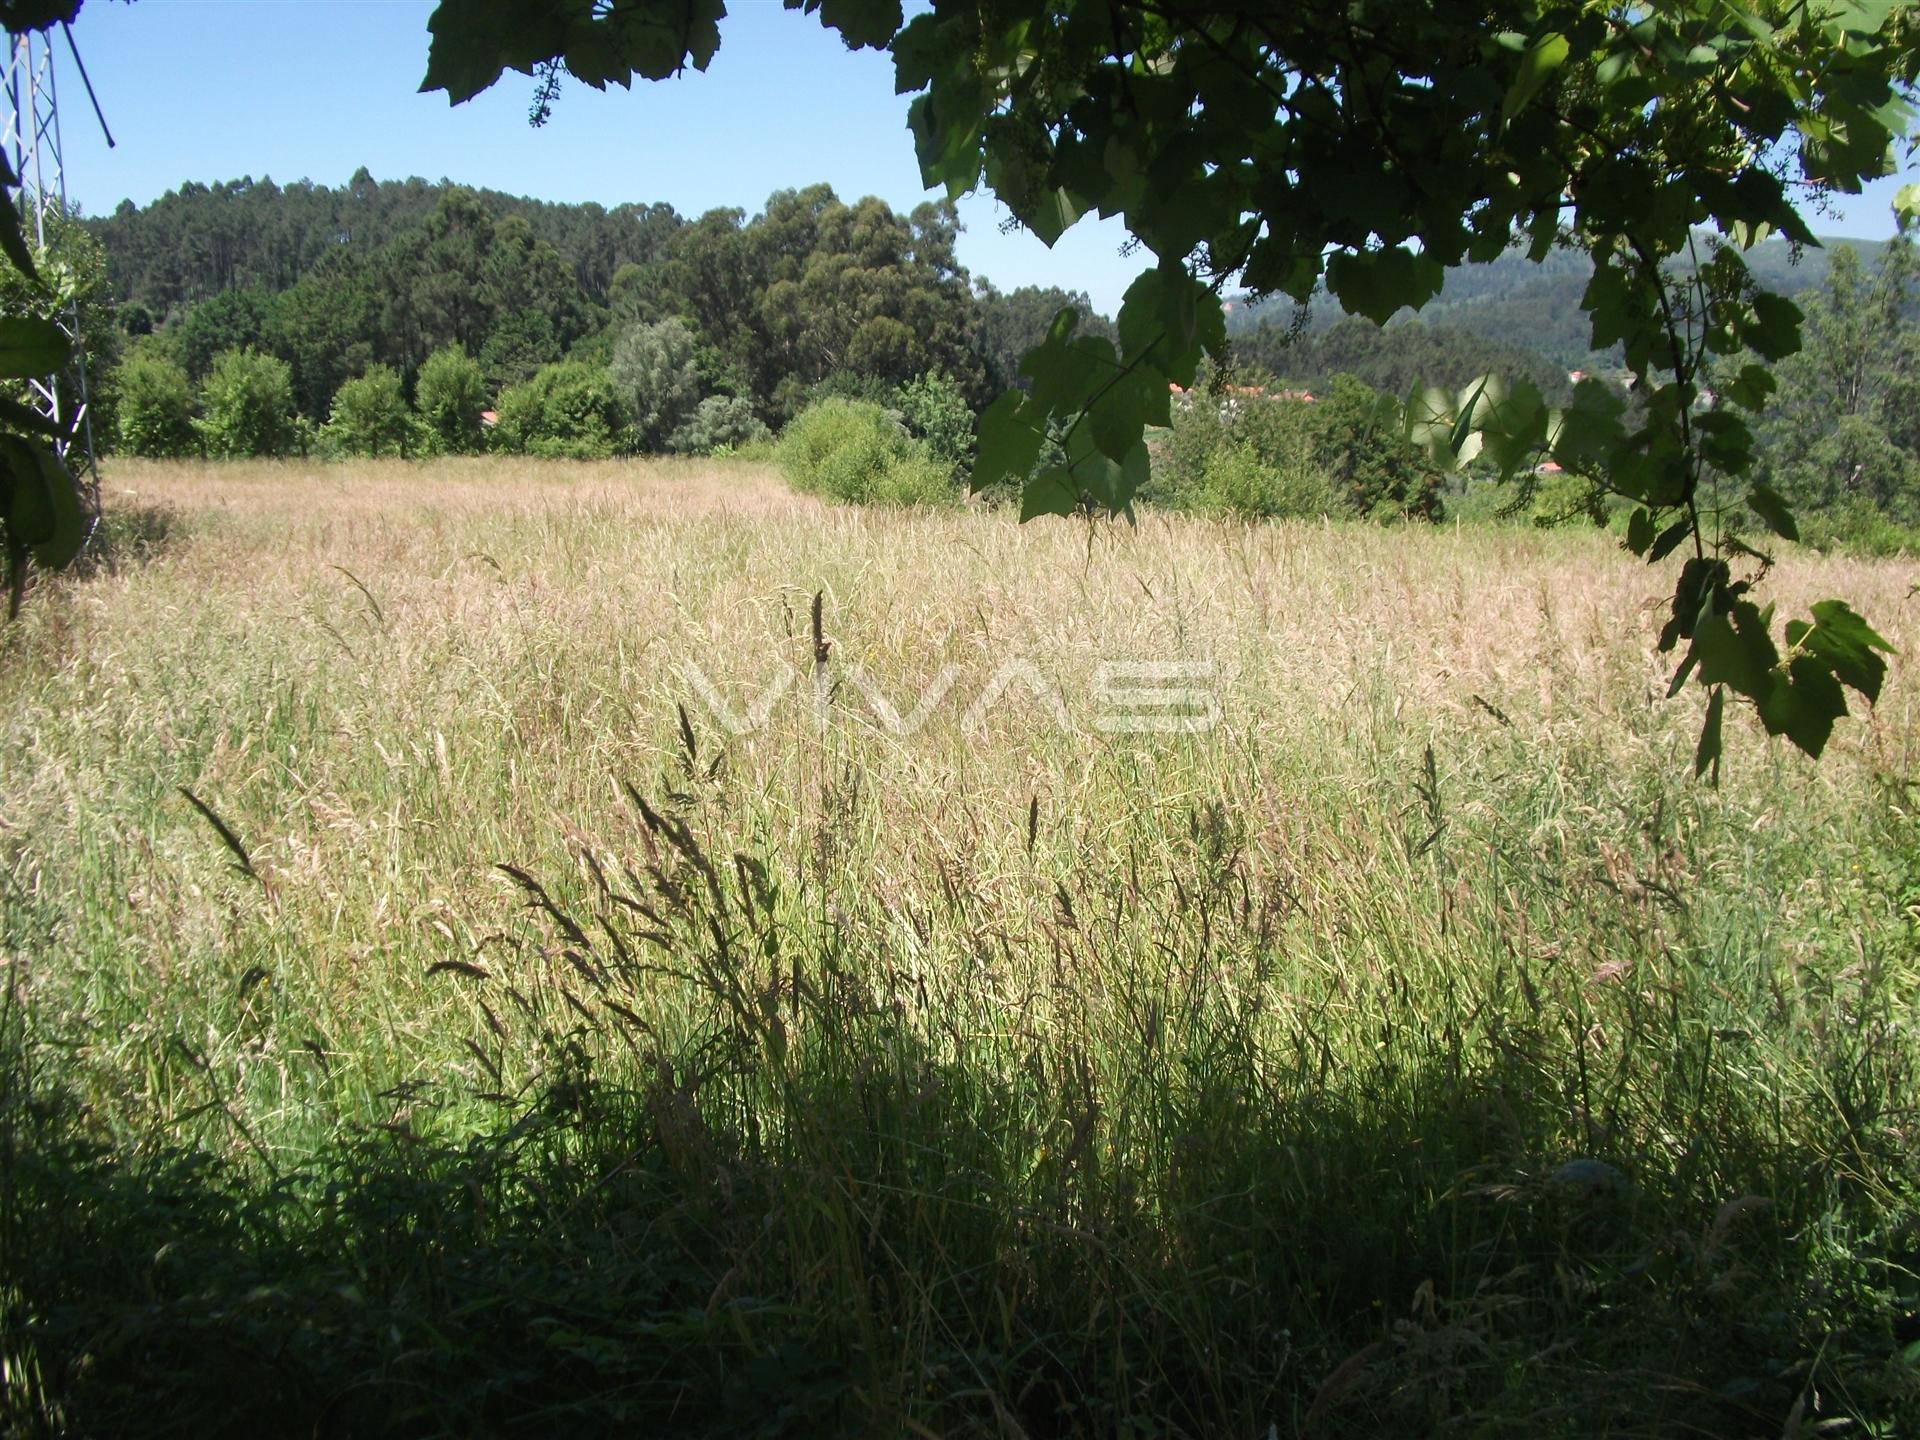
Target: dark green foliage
450	394
44	518
534	309
565	412
328	328
1513	304
70	286
860	453
199	240
246	406
1355	433
1250	448
1841	437
42	515
1013	322
426	266
656	370
814	286
936	412
228	320
1395	358
484	282
156	406
810	288
371	417
719	423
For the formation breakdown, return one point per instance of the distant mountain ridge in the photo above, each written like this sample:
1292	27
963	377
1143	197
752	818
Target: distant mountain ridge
1513	301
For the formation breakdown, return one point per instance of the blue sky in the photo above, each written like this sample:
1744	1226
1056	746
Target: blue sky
217	89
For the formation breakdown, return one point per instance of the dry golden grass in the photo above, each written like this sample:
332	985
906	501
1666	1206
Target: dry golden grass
390	676
1444	758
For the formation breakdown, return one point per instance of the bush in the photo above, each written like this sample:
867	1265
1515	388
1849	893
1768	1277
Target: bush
919	479
1236	481
1338	453
156	407
938	414
1857	527
858	452
450	395
568	411
370	417
655	369
1356	436
247	406
719	422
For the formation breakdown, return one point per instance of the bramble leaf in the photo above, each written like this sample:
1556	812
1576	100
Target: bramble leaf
1771	506
31	347
1007	446
1544	56
1846	644
1051	492
1378	283
863	24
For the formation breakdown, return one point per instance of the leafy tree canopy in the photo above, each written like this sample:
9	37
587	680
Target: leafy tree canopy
370	416
568	411
1370	144
451	394
156	406
248	405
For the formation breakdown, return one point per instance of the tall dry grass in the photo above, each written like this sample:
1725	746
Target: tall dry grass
1355	1062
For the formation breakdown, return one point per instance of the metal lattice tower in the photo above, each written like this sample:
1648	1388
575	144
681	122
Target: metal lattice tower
32	143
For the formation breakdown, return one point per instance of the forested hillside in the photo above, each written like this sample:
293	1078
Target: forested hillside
810	292
332	281
1513	302
199	240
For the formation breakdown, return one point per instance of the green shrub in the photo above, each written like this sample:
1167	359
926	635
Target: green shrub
847	385
1237	481
450	395
936	412
858	452
370	417
917	479
156	407
1356	436
1858	527
568	411
1340	452
247	406
656	372
719	422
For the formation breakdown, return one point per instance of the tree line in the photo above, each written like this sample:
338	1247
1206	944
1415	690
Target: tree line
246	318
629	328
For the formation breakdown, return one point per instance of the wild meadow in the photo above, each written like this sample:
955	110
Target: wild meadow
503	947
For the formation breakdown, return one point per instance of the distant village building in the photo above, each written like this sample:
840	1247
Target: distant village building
1232	397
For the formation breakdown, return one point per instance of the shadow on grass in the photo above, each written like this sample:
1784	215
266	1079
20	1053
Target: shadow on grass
905	1246
824	1206
129	535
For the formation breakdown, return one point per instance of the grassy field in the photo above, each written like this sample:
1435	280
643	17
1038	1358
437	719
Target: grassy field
1403	1045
